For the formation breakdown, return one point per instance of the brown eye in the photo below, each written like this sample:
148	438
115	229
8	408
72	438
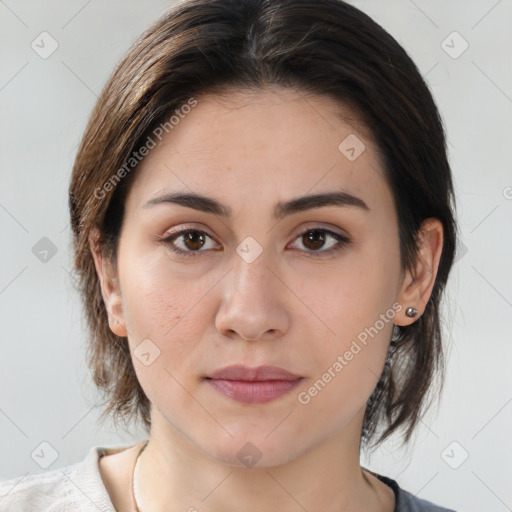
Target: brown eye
319	242
190	242
313	240
194	240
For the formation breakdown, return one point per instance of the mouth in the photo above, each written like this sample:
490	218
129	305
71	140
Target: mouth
253	385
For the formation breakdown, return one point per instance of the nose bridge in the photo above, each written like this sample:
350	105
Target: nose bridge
251	277
252	303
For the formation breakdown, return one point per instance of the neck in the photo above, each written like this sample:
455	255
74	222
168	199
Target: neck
175	472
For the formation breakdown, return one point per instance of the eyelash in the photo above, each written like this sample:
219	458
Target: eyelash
343	241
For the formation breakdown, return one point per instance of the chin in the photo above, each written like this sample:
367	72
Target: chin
256	450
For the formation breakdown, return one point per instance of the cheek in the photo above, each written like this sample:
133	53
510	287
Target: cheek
348	364
164	307
152	305
156	298
355	301
352	295
172	312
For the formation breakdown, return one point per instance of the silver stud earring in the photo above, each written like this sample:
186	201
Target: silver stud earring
411	312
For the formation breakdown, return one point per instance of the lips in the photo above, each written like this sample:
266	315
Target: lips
259	373
253	385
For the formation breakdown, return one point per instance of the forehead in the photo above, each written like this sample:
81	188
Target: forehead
277	119
279	142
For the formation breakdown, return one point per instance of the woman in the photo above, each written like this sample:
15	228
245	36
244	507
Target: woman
263	228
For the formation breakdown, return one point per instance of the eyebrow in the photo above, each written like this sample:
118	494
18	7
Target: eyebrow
282	209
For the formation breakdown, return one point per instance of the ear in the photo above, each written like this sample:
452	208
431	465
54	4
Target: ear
109	283
419	281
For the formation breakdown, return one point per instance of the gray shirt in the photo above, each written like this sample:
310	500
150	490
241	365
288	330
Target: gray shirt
80	487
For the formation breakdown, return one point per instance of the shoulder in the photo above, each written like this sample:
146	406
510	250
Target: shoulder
407	502
410	503
75	487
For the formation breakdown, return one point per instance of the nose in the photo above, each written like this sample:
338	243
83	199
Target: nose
253	302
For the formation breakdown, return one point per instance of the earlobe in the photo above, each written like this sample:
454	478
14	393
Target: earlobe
109	284
419	281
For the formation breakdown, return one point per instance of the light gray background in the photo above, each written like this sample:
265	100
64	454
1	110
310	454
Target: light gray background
45	391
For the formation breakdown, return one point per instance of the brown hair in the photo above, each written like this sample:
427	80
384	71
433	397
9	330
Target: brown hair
324	47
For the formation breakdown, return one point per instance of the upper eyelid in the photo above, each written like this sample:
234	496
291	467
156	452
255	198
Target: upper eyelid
184	228
314	226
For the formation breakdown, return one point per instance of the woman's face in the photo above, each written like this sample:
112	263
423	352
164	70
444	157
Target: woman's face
275	270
